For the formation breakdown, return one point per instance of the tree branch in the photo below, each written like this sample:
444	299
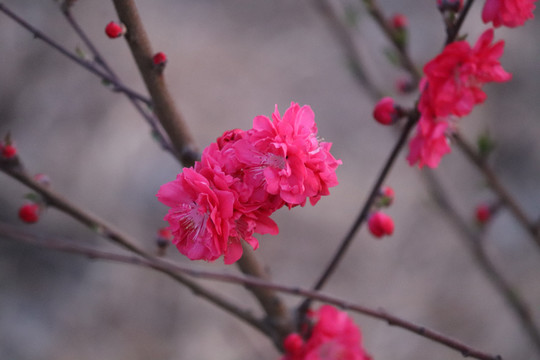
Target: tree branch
166	266
495	184
164	106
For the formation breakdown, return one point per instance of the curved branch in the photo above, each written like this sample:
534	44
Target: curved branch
167	266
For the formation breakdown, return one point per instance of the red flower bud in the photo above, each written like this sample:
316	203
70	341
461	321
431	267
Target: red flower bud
159	59
293	344
29	213
114	30
400	21
385	112
388	195
8	151
380	224
483	214
450	5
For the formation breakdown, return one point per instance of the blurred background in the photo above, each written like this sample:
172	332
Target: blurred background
228	62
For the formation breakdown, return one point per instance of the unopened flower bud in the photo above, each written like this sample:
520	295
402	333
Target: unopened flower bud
159	60
293	344
404	85
43	179
388	195
29	213
483	213
400	21
163	239
9	151
385	111
450	5
380	224
115	30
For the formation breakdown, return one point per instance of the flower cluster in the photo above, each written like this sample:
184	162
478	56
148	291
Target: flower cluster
242	179
334	336
452	86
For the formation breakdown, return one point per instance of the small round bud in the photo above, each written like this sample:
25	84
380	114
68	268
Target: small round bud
483	213
43	179
293	344
163	240
450	5
385	111
380	224
404	85
9	151
159	59
29	213
400	21
115	30
388	195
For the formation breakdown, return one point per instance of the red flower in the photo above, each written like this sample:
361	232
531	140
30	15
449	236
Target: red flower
452	86
511	13
114	30
380	224
29	213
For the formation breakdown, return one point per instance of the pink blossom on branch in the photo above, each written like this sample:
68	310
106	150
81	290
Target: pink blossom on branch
510	13
452	86
242	179
334	336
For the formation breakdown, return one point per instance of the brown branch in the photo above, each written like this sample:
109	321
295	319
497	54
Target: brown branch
495	184
344	37
110	232
167	266
175	126
404	58
150	118
164	106
475	244
117	86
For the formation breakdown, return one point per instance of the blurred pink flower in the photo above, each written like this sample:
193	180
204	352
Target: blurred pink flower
510	13
333	337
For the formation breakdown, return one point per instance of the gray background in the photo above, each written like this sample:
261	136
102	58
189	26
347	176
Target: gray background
228	62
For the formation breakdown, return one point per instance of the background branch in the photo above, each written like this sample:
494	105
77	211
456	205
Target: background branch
166	266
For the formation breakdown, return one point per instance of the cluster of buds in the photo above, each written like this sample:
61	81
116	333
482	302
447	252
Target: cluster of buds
379	223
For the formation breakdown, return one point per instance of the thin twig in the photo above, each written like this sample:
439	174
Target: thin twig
85	64
344	37
150	118
394	38
453	32
474	243
164	106
108	231
364	212
14	233
495	184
